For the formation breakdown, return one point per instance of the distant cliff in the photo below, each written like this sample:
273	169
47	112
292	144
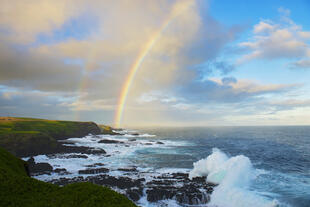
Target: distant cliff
18	189
28	136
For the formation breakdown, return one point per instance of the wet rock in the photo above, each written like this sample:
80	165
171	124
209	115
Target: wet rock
179	187
148	143
119	182
80	149
38	168
134	194
64	181
94	170
77	156
127	169
109	141
175	186
132	140
61	171
159	143
94	165
135	134
159	193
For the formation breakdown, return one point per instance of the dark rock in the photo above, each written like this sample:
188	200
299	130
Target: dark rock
179	187
156	194
61	171
175	186
94	165
77	156
80	149
148	143
128	169
66	156
134	194
38	168
159	143
94	170
119	182
135	134
132	140
108	141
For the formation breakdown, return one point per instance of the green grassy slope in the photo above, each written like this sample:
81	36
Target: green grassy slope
17	189
55	129
22	136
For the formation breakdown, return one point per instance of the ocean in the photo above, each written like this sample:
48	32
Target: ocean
253	166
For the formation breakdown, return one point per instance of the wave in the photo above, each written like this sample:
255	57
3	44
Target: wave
139	135
234	176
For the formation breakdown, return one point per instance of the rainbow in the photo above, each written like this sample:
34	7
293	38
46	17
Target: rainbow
177	9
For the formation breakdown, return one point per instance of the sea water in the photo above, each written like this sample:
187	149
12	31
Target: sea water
253	166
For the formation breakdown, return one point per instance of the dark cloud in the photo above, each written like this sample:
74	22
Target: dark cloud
22	69
47	105
30	104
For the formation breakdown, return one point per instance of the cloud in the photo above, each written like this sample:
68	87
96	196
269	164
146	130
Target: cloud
229	90
48	70
90	105
291	103
38	72
229	80
17	102
303	63
24	20
274	40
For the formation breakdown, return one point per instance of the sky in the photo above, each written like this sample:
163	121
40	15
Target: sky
196	62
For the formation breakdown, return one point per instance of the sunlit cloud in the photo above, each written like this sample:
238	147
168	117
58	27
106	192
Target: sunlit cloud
274	40
188	76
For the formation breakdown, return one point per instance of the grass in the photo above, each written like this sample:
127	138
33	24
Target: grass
50	127
17	189
29	136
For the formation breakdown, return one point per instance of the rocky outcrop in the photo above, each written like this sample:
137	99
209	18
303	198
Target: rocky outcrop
175	186
110	141
94	170
76	129
179	187
38	168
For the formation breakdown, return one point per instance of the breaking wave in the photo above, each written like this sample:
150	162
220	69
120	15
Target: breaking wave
234	176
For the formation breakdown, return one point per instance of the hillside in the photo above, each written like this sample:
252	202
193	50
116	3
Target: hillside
17	189
28	136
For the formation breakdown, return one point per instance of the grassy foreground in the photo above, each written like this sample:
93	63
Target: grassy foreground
28	136
17	189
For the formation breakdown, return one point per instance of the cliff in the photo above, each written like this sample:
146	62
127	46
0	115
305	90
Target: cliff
28	136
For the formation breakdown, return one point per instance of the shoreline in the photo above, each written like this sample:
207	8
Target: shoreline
136	184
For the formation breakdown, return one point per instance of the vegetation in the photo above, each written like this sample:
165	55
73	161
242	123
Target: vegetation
105	129
28	136
17	189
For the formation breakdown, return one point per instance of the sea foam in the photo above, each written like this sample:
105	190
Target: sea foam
234	176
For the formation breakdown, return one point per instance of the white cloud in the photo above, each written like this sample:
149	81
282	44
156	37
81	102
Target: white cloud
273	40
89	105
263	27
303	63
182	106
157	96
253	87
